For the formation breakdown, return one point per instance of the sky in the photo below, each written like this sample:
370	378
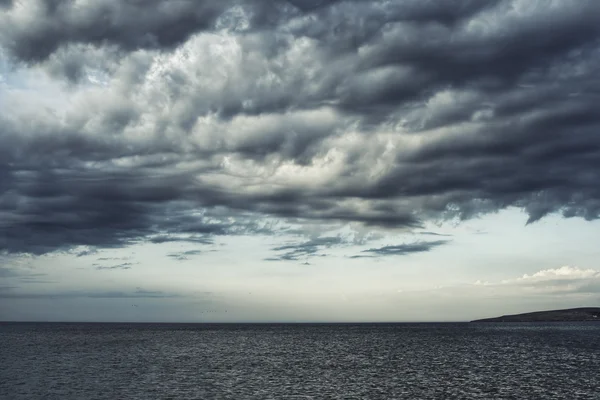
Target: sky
299	160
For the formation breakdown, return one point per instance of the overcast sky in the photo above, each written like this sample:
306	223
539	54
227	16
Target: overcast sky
300	160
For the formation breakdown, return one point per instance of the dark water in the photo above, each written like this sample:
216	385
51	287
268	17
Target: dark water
391	361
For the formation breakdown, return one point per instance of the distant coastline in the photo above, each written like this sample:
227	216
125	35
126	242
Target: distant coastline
571	314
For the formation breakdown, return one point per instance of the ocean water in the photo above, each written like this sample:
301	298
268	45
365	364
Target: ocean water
364	361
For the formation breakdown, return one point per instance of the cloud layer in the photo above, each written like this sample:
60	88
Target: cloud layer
401	249
184	120
566	280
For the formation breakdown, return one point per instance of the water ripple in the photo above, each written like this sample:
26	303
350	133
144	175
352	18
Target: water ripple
382	361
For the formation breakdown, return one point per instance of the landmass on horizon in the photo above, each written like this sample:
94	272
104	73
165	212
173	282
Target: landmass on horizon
570	314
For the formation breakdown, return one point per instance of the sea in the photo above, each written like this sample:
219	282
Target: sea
300	361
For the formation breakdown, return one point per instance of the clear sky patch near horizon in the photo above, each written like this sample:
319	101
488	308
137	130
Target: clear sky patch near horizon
301	160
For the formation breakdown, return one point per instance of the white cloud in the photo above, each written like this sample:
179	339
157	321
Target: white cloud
564	273
555	281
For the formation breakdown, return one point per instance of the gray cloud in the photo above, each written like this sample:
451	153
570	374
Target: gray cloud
433	234
22	275
401	249
302	250
184	255
6	272
138	294
128	24
141	291
383	113
88	252
126	265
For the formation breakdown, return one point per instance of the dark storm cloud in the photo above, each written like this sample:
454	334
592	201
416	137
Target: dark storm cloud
51	211
129	24
384	113
402	249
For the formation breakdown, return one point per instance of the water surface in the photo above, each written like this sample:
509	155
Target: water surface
338	361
